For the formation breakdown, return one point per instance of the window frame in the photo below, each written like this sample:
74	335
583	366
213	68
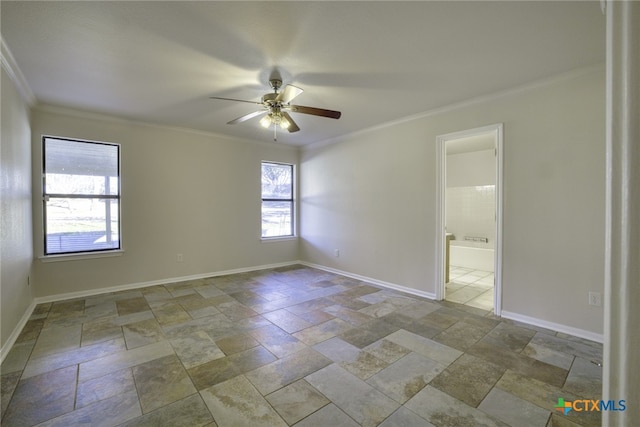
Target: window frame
291	200
83	253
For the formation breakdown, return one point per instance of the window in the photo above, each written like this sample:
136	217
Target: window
277	200
81	196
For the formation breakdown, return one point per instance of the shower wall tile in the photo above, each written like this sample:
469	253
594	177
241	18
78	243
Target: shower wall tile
470	211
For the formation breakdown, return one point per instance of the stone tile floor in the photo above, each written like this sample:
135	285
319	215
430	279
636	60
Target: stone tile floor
289	346
470	287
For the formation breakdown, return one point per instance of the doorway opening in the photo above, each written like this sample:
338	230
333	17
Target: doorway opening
469	229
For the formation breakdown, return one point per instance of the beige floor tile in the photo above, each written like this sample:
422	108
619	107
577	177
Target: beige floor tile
387	350
287	321
545	396
237	403
292	346
277	341
196	349
405	418
468	379
57	339
40	365
104	387
329	415
282	372
359	400
511	337
441	409
584	379
124	359
18	357
547	355
188	412
104	413
513	410
525	365
8	384
403	379
42	397
462	335
483	301
296	401
323	331
364	365
429	348
142	333
160	382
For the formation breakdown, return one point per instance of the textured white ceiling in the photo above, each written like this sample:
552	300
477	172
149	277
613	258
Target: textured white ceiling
375	61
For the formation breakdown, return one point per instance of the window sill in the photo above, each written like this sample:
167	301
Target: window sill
278	239
81	255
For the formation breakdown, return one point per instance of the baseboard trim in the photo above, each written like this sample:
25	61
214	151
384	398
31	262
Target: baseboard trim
558	327
373	281
139	285
6	348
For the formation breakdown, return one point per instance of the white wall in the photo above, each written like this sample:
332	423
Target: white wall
182	192
378	212
16	250
373	194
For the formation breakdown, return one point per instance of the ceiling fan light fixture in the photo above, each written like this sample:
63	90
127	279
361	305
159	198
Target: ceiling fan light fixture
284	123
275	107
265	122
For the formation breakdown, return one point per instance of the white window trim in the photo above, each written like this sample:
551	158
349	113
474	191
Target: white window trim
294	213
278	238
82	255
106	253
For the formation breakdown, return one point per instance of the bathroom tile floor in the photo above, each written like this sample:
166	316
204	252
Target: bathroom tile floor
291	346
470	287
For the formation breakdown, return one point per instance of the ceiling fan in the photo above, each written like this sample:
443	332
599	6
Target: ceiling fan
276	107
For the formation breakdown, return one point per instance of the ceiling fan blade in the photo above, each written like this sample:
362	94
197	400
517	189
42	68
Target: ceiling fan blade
246	117
293	127
233	99
315	111
288	93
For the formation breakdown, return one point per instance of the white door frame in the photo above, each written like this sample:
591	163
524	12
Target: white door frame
441	170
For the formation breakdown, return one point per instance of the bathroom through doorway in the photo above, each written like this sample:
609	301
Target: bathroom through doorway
470	217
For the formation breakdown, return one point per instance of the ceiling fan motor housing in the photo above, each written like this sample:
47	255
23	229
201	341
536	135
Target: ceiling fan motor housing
269	98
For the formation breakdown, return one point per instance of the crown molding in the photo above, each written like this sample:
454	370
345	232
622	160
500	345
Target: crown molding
108	118
569	75
10	65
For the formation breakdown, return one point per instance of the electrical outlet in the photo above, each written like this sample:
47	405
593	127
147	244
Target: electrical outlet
595	298
179	257
336	253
